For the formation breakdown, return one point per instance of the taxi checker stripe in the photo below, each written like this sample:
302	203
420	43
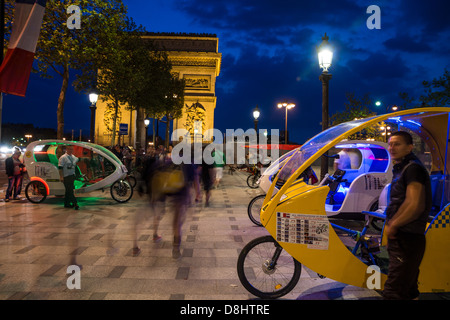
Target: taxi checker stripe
443	219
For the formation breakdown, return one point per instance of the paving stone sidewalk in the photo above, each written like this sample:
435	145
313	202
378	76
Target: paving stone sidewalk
39	241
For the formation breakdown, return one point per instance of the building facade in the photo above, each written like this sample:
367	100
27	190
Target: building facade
196	59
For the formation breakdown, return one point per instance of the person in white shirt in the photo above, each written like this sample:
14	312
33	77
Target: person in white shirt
347	160
67	165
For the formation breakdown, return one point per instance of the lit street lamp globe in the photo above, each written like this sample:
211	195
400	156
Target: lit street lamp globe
93	98
256	113
325	54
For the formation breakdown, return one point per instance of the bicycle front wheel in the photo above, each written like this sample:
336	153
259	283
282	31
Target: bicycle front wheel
266	270
254	209
252	181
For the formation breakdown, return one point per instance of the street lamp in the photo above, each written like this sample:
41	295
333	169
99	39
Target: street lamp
385	132
146	123
256	114
93	99
325	55
285	105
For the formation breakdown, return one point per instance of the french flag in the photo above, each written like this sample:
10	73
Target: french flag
16	67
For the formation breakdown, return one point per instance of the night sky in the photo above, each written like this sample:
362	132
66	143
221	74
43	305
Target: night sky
269	55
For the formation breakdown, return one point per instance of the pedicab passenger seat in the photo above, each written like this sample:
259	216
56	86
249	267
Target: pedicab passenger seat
333	183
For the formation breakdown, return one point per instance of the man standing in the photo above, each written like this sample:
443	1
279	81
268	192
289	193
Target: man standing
406	218
67	165
14	170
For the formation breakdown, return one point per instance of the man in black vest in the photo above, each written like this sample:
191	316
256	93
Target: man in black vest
406	218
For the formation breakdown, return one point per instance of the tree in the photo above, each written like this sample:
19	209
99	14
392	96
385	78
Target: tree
156	91
173	102
61	50
437	92
116	73
408	102
354	108
357	109
132	73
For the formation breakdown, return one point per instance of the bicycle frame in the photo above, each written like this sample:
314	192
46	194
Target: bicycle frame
358	236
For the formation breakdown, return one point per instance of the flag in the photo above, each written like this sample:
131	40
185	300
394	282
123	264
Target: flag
16	67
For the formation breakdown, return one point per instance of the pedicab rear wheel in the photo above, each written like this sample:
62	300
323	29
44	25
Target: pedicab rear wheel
121	191
266	270
36	192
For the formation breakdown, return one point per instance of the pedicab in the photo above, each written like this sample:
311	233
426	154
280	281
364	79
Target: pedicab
97	169
301	232
349	195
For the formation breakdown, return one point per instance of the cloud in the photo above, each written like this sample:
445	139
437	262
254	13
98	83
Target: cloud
407	44
379	66
430	15
245	15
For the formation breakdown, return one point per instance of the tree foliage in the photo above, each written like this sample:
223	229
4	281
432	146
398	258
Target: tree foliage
134	74
437	91
358	108
108	55
354	108
61	50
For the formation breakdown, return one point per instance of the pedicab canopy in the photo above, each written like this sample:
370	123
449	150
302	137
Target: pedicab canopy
324	252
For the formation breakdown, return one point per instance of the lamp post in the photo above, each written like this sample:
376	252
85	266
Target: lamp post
325	55
286	106
146	123
93	99
386	131
256	114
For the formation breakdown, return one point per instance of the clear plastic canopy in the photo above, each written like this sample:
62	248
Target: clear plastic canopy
311	147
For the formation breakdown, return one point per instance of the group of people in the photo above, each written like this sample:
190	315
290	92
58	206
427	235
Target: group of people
125	154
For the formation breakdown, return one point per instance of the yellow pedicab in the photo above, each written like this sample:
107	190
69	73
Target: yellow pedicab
301	233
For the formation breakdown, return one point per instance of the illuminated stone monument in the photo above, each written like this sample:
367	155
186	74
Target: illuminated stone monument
196	59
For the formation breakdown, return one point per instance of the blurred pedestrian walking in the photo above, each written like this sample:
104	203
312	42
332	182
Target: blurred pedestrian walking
207	180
